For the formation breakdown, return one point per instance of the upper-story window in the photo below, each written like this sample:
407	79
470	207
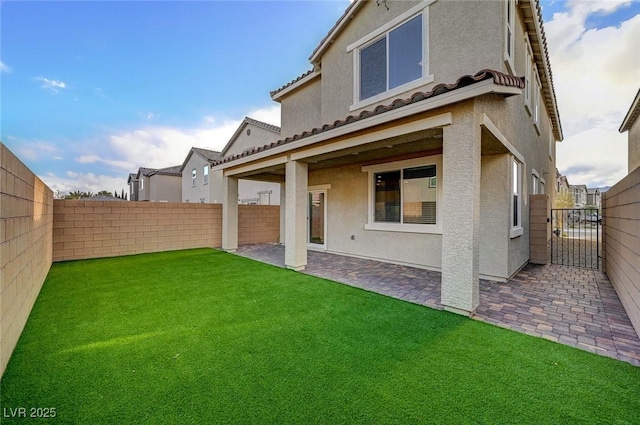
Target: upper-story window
393	58
193	177
141	183
509	31
205	174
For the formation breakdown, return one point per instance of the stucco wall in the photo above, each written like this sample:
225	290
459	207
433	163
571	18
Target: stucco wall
26	232
94	229
347	215
495	214
165	188
258	136
621	242
300	111
191	193
634	146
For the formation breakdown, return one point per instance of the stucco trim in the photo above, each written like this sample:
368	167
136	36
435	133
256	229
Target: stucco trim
424	124
277	95
493	129
252	166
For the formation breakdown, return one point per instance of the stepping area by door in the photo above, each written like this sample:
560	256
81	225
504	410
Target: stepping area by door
569	305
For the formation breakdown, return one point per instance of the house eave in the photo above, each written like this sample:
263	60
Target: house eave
458	95
632	114
278	95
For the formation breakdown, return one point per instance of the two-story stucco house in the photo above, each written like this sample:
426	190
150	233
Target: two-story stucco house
158	184
196	181
631	123
132	181
579	192
415	139
201	186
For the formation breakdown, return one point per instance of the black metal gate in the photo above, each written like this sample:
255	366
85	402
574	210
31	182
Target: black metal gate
576	237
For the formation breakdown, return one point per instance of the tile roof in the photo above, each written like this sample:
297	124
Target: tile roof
207	154
168	171
290	83
102	198
466	80
245	121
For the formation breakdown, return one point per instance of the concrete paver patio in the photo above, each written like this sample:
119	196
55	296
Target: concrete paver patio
568	305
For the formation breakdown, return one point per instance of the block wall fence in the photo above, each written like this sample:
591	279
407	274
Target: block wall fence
85	229
621	242
26	241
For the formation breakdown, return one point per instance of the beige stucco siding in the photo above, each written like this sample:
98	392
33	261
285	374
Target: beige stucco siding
300	111
165	188
258	137
200	192
347	216
495	215
634	146
463	38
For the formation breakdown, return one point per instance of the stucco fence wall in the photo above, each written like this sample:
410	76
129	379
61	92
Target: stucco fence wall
93	229
621	242
26	229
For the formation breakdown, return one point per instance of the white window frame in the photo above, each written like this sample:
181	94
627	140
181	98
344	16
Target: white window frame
528	70
542	186
141	183
398	165
537	101
516	228
509	34
194	176
205	174
383	31
535	184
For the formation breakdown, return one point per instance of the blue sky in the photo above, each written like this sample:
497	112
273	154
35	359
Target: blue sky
93	90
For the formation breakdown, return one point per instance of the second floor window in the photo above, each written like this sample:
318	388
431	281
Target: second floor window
205	174
193	177
392	60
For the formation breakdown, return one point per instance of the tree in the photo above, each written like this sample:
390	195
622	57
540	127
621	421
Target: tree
76	194
104	193
563	200
122	195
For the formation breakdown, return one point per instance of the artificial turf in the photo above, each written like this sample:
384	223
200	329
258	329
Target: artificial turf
202	336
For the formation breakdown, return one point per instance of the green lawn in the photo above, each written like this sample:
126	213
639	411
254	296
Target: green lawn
202	336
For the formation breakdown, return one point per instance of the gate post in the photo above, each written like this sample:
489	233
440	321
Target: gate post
539	229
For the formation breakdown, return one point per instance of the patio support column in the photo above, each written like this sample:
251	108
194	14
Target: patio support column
295	249
461	214
229	213
283	212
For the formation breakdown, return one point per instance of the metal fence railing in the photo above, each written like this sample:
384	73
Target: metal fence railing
576	237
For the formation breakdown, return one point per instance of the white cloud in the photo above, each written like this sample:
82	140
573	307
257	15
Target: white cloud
596	74
160	146
33	149
4	68
83	182
52	85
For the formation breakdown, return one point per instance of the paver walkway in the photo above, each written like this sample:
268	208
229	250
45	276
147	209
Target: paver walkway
572	306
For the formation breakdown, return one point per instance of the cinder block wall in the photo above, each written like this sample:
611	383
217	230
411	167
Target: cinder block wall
93	229
258	224
539	229
26	229
621	242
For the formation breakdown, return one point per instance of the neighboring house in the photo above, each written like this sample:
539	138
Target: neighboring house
132	181
102	198
562	183
579	192
201	185
196	179
416	138
593	197
632	125
159	185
